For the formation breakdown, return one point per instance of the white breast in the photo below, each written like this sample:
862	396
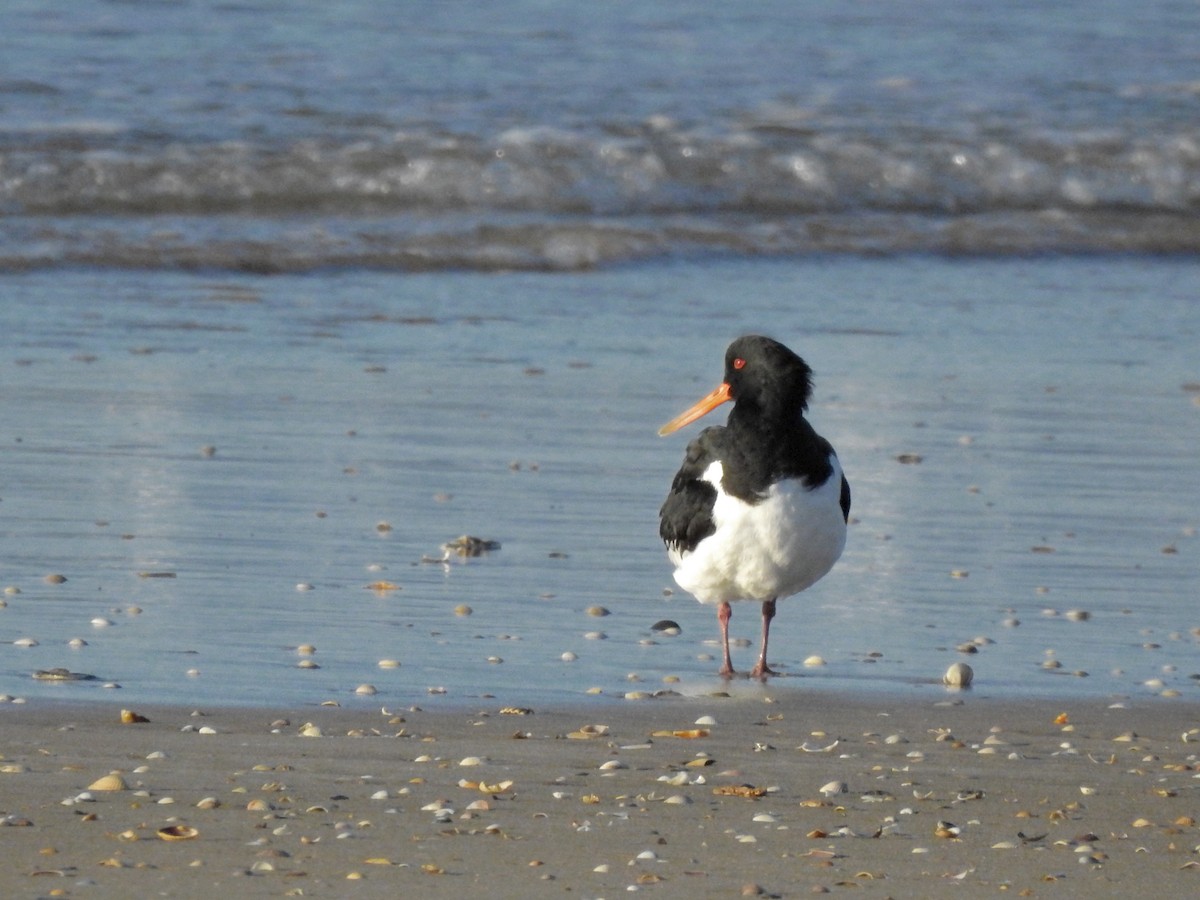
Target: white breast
774	548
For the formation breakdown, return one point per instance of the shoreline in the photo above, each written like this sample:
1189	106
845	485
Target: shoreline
782	795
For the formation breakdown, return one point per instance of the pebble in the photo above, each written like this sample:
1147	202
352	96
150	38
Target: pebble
959	675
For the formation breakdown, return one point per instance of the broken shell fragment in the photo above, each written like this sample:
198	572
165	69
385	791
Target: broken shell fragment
178	832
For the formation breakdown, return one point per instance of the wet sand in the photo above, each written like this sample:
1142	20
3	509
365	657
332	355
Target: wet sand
951	795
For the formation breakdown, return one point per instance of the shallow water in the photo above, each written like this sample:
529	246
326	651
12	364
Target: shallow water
1051	402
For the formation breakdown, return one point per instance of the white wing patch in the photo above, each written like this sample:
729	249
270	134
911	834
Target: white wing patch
777	547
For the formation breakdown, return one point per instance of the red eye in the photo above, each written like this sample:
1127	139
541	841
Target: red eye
739	363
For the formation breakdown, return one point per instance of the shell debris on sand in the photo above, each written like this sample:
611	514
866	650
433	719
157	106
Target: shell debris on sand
593	809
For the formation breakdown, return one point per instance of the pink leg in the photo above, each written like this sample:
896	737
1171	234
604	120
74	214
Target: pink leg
723	614
761	669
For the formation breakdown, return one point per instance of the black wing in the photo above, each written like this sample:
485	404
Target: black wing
686	515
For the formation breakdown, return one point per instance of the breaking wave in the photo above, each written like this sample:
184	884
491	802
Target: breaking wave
558	199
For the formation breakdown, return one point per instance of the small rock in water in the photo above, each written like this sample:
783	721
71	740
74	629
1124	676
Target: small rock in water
61	674
958	675
466	545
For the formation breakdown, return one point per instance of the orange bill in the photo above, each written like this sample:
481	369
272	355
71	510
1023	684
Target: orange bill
704	406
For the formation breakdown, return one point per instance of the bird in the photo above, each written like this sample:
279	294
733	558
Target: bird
758	510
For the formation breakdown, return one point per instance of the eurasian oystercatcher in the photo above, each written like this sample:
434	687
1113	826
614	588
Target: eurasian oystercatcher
758	510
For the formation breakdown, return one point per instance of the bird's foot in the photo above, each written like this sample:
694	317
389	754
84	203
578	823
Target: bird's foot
761	670
726	671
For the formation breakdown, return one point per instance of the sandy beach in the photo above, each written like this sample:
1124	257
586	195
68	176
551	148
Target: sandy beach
768	792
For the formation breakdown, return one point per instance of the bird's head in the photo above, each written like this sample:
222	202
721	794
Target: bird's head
762	375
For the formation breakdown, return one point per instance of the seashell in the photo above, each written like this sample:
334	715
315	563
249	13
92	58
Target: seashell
706	720
25	642
959	675
498	788
814	661
589	731
598	612
945	829
389	664
569	656
129	717
470	761
178	833
112	782
612	765
208	803
807	748
739	790
310	730
366	690
834	787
